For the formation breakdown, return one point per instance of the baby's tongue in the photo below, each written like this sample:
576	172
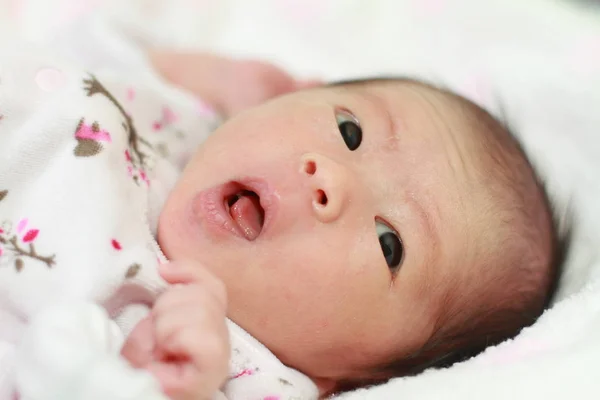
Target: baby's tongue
246	212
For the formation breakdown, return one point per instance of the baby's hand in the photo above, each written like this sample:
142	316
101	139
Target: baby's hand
230	85
184	343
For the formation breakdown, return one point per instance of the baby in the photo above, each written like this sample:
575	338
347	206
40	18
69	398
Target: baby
380	226
361	230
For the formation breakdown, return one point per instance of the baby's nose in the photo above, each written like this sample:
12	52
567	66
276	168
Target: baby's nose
328	186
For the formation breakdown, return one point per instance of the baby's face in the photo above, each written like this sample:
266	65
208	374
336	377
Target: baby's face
341	258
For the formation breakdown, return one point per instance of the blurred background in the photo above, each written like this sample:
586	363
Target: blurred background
337	38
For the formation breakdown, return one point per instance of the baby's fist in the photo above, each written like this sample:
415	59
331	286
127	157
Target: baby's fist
187	333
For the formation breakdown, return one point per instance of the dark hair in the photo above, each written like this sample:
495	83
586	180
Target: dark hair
459	336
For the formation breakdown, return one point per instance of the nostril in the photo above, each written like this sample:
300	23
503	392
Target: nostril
321	197
310	167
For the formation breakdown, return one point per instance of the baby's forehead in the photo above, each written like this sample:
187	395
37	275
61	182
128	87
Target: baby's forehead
392	84
401	96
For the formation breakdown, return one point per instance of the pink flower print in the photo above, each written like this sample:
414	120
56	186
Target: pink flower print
21	225
244	372
14	241
135	173
2	240
115	244
130	94
167	118
30	235
92	132
272	398
144	177
89	139
168	115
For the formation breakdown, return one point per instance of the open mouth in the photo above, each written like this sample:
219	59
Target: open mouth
243	205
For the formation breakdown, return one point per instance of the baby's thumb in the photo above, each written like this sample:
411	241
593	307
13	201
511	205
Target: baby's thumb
139	345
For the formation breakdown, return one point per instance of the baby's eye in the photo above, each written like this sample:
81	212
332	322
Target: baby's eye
349	128
390	243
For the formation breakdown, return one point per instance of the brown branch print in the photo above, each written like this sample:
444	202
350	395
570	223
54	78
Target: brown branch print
132	271
93	87
31	253
3	194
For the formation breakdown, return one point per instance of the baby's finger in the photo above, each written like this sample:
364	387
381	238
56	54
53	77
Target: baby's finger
168	325
187	272
196	363
188	296
139	346
177	296
205	316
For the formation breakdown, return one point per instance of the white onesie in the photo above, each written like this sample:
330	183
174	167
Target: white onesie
86	163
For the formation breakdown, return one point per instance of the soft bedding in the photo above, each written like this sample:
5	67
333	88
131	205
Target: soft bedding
536	64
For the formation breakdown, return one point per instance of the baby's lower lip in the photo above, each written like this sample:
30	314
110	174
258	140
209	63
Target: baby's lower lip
210	206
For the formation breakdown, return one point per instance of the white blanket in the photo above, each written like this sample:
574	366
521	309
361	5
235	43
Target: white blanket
536	62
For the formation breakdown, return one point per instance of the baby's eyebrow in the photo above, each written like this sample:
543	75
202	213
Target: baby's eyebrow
427	220
389	141
393	136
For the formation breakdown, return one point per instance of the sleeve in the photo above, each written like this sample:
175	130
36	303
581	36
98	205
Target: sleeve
256	373
72	353
68	158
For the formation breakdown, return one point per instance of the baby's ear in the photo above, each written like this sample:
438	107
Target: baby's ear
326	386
